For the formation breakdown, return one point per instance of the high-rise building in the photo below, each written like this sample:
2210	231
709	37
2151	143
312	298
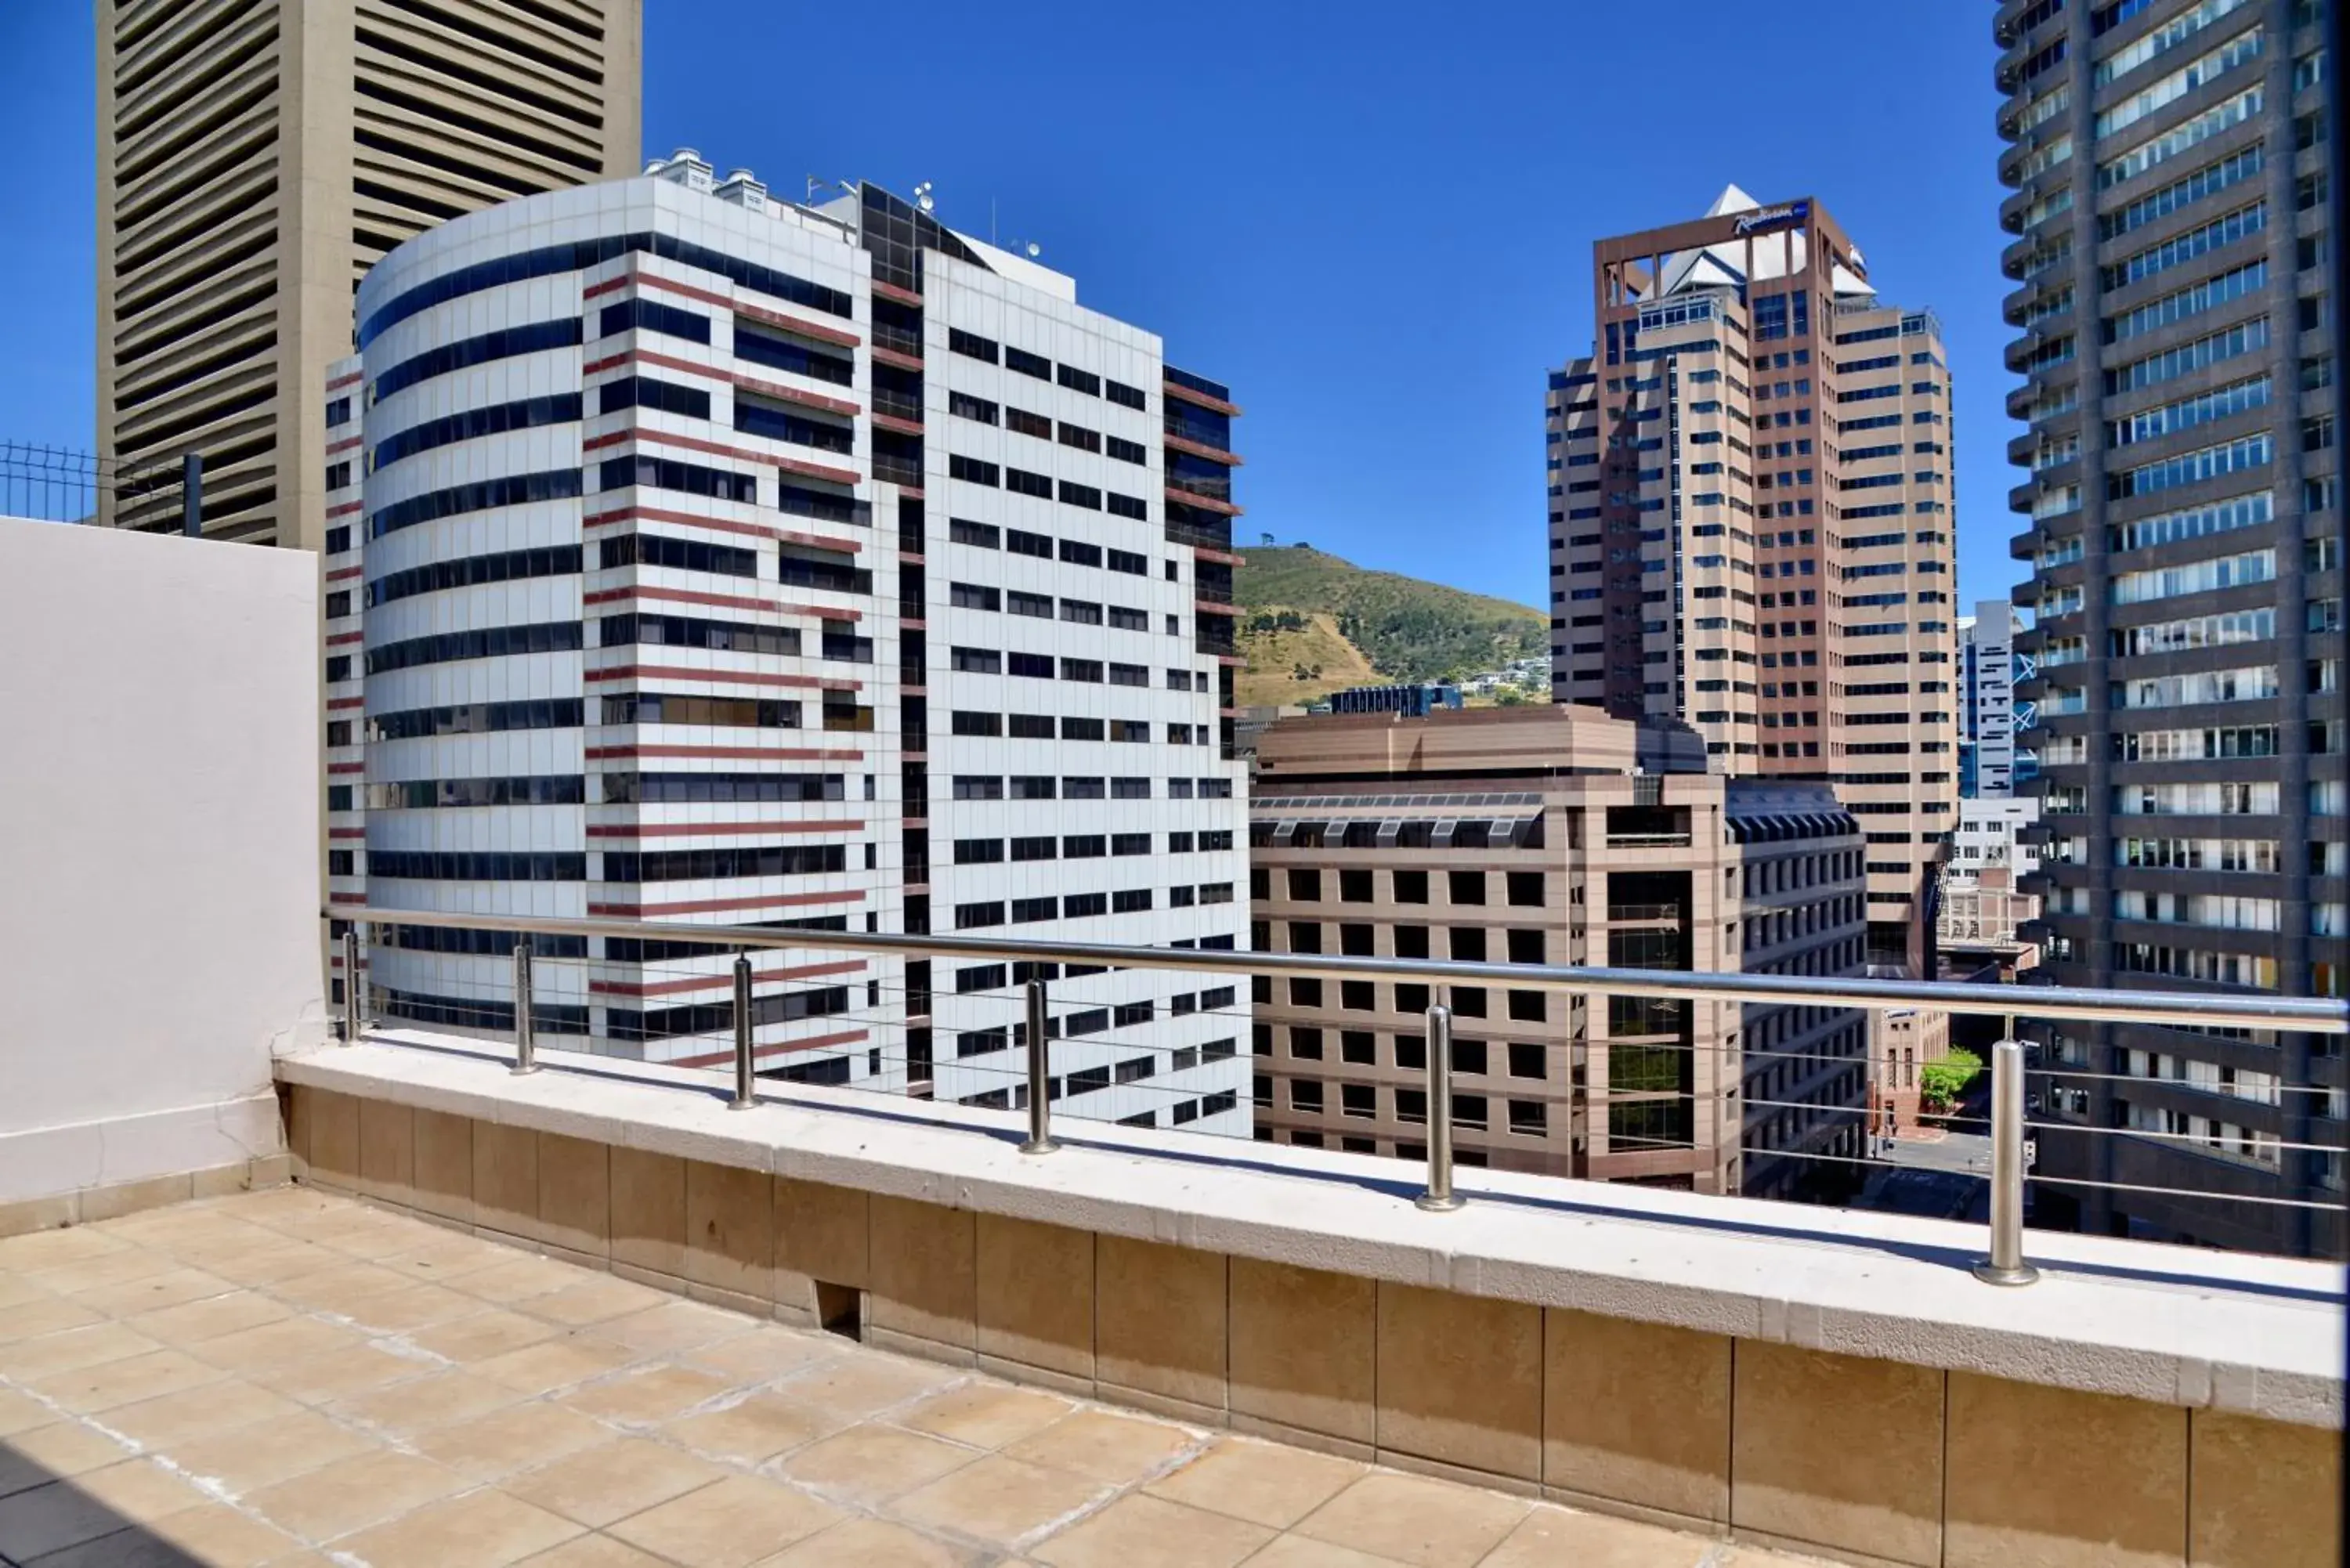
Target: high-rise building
1553	834
716	559
1990	766
256	157
2176	282
1982	902
1749	527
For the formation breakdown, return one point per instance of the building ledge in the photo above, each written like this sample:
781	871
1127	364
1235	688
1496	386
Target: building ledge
2177	1327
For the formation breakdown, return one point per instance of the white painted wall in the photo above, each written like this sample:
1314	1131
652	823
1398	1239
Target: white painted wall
159	843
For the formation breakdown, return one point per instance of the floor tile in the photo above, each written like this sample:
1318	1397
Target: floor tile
517	1279
730	1523
554	1364
217	1536
519	1437
120	1267
198	1412
171	1288
766	1354
89	1390
191	1323
277	1344
446	1257
74	1336
868	1465
599	1485
406	1311
647	1396
998	1501
1551	1536
44	1248
1304	1552
1264	1483
246	1460
57	1451
268	1266
480	1335
596	1298
1139	1532
353	1494
594	1552
868	1543
984	1415
341	1375
751	1432
22	1412
139	1491
15	1289
420	1403
1431	1524
857	1387
340	1289
1116	1449
484	1528
672	1328
368	1389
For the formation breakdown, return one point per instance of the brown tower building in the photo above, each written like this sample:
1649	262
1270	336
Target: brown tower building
1751	526
256	157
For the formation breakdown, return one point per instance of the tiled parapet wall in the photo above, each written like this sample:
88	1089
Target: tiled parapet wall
1828	1382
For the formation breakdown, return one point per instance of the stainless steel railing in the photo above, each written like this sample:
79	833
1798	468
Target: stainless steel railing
2315	1015
2005	1264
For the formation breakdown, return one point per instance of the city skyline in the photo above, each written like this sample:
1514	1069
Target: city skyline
796	905
1329	185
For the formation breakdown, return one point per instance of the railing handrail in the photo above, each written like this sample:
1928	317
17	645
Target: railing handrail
2315	1015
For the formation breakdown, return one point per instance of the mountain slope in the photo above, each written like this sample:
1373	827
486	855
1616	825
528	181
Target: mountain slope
1298	657
1397	628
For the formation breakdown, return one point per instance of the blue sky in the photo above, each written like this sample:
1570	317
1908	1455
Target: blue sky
1373	221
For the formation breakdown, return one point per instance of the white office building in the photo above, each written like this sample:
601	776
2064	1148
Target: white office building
711	558
1988	721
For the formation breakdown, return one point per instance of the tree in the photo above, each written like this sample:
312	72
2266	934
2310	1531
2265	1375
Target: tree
1939	1084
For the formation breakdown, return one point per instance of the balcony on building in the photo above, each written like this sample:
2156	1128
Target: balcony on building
276	1290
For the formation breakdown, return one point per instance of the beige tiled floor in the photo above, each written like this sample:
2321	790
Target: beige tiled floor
286	1377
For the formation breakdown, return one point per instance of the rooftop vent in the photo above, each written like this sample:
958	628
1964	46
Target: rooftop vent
683	167
744	189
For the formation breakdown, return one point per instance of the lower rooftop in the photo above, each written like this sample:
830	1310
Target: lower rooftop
289	1376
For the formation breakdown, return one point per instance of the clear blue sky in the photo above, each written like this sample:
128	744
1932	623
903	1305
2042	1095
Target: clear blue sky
1374	221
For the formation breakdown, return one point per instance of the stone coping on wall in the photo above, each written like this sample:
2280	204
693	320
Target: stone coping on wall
2174	1325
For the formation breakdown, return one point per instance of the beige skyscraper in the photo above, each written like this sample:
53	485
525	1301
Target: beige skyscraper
1749	527
256	157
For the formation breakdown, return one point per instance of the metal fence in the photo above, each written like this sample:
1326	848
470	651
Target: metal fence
706	960
60	485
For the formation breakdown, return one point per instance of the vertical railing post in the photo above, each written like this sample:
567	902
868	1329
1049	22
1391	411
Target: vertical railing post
1040	1077
525	1033
354	1010
744	1067
1440	1196
192	495
2005	1266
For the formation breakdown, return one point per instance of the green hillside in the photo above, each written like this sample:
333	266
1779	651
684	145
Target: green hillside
1407	629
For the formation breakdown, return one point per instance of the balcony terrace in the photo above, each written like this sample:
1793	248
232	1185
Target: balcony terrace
291	1376
618	1312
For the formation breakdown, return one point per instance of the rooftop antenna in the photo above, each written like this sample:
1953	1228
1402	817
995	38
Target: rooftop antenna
922	197
1028	248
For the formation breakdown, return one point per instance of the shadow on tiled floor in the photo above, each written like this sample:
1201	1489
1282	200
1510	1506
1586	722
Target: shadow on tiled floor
286	1377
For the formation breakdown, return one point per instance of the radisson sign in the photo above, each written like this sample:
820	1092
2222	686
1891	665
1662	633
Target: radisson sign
1770	217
